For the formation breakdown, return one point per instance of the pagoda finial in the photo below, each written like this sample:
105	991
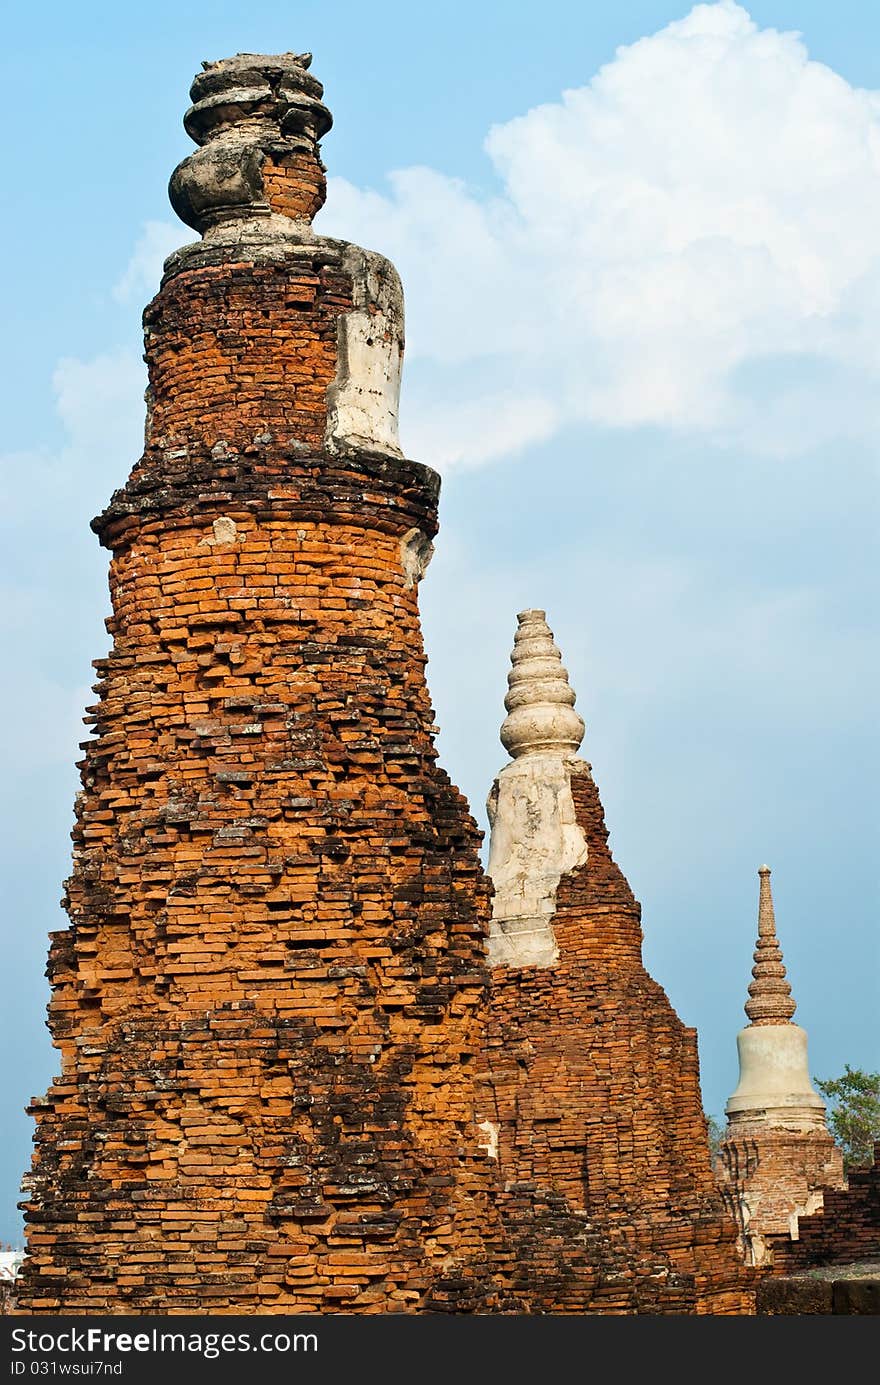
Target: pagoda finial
540	701
258	119
535	834
770	994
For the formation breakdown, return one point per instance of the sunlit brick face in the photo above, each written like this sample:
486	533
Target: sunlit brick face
289	1081
267	1001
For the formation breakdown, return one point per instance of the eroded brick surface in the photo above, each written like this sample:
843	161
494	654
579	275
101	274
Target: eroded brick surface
287	1083
770	1178
295	186
611	1205
847	1228
266	1001
237	350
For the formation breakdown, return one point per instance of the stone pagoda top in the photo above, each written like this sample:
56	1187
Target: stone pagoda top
258	119
770	999
541	718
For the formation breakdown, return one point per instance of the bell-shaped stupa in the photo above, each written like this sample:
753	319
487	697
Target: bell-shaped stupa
597	1124
777	1156
774	1077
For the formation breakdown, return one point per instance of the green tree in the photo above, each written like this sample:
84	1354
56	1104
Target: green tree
717	1129
854	1115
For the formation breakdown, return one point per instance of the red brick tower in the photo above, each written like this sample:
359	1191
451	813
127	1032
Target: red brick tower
265	1002
598	1127
285	1086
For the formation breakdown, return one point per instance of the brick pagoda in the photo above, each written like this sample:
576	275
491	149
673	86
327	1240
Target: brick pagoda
265	1002
601	1136
291	1081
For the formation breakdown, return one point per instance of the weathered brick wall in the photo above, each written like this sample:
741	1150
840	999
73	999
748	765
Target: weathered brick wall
295	185
237	350
846	1229
770	1177
266	1002
800	1294
602	1141
281	1060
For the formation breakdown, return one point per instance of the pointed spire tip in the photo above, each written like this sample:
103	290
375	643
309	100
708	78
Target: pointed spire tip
770	999
540	701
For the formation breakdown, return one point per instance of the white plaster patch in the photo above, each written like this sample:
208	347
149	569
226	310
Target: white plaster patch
416	552
491	1131
535	841
815	1202
363	401
758	1254
11	1262
223	530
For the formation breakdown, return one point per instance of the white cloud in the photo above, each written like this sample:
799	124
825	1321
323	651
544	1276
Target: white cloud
670	243
54	596
479	429
144	270
101	403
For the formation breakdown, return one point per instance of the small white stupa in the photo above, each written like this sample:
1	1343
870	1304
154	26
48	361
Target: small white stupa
535	838
777	1158
774	1078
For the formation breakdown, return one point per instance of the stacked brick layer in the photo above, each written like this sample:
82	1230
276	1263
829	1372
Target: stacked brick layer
846	1229
778	1173
294	185
280	1052
239	350
611	1205
266	1000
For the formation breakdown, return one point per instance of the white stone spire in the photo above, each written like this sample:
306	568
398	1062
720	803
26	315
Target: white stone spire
774	1077
535	837
777	1156
540	701
770	1000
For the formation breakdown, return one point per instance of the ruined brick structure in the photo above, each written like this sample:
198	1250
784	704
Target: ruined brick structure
777	1159
833	1266
845	1229
601	1136
289	1081
266	1000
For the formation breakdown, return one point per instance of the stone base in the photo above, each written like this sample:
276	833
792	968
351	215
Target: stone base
770	1177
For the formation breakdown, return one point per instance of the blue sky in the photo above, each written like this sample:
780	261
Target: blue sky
640	251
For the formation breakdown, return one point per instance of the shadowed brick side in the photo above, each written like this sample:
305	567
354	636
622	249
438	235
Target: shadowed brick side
266	1001
775	1172
846	1229
283	1063
603	1144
